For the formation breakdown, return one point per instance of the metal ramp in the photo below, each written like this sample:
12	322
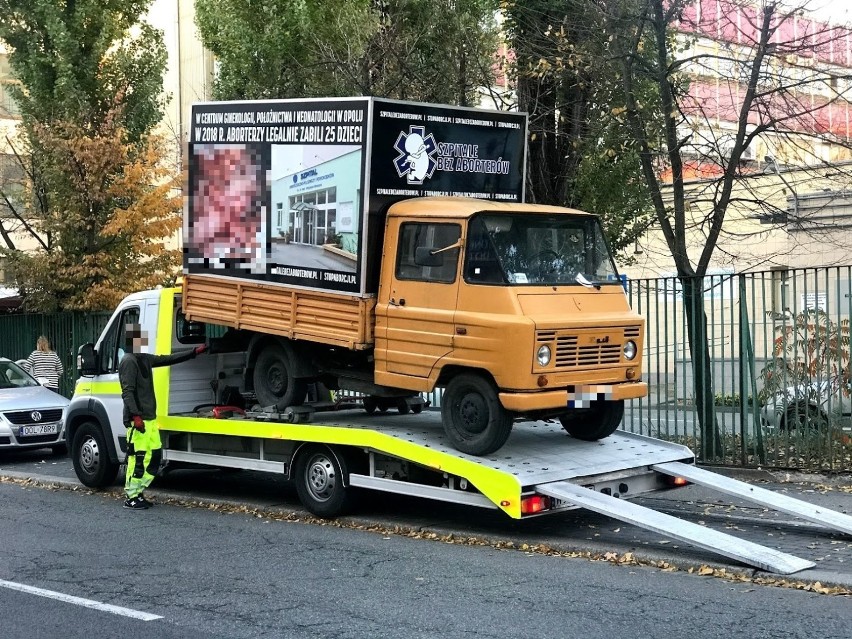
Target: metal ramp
717	542
782	503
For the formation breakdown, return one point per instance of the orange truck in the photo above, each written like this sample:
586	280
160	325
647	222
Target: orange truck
384	248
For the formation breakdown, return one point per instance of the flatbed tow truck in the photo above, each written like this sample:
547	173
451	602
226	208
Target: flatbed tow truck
332	455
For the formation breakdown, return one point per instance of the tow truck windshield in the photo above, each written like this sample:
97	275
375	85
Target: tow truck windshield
537	249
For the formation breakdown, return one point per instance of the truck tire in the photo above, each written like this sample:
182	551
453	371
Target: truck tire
370	404
90	456
600	420
321	477
474	420
274	384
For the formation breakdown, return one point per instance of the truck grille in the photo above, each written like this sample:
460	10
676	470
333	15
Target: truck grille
26	416
586	348
570	354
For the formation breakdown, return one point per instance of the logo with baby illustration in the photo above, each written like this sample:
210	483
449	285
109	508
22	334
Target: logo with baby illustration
416	160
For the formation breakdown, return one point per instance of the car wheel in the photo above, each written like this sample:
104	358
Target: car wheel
802	417
90	456
60	450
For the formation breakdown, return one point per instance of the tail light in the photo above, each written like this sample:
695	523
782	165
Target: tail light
534	504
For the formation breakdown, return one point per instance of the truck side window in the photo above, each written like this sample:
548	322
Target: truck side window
434	236
112	347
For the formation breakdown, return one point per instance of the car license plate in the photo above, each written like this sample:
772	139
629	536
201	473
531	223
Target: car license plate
39	429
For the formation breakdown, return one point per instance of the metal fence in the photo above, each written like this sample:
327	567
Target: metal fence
66	332
778	362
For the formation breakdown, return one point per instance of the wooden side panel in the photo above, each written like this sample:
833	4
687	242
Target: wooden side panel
328	318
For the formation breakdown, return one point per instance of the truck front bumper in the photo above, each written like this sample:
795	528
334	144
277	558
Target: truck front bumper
572	396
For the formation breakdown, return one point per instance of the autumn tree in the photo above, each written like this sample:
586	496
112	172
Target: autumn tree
93	200
116	205
429	50
771	87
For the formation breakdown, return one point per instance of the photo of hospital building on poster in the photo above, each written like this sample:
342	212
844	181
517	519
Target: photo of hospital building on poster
276	192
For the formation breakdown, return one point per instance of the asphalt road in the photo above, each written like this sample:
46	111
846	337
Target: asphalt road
200	572
577	531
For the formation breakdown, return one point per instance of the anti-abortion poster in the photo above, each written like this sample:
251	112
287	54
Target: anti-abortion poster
421	150
428	150
275	191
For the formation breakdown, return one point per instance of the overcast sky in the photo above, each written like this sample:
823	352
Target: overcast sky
836	11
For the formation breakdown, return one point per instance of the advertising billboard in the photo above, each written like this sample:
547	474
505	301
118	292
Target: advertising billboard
293	191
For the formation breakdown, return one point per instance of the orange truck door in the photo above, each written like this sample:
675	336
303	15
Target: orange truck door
419	300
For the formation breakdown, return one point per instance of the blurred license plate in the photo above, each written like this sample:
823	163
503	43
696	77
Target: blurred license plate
39	429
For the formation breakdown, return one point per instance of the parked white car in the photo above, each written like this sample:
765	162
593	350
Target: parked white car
31	416
807	406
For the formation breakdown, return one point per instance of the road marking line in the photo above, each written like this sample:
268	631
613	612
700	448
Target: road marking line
79	601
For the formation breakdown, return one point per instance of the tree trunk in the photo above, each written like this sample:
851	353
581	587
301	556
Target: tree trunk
699	349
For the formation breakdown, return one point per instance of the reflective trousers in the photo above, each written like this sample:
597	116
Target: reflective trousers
144	454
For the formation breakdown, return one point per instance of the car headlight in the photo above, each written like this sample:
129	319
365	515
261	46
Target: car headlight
630	350
543	355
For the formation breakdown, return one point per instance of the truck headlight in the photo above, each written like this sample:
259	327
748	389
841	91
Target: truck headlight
630	350
543	355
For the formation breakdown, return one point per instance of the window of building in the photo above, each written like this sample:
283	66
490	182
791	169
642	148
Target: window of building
8	105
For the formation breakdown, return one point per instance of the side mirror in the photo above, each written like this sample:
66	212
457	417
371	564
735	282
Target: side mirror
87	361
426	256
190	332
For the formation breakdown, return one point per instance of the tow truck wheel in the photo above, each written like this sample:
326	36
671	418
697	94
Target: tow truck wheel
320	477
274	384
90	456
474	419
600	420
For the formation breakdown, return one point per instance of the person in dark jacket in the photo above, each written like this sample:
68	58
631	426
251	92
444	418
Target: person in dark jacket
144	448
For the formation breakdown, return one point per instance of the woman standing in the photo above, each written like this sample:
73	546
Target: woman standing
45	365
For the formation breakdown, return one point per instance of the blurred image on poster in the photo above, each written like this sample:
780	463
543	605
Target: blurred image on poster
226	226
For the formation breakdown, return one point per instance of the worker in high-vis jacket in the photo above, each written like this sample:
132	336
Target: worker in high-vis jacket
144	448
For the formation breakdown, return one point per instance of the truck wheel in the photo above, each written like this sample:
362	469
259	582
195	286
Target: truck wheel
402	407
274	384
474	420
600	420
370	404
320	477
90	456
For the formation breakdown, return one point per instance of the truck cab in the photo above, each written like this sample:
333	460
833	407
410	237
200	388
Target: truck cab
515	309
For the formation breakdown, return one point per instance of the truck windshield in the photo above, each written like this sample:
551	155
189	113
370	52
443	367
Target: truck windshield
538	249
